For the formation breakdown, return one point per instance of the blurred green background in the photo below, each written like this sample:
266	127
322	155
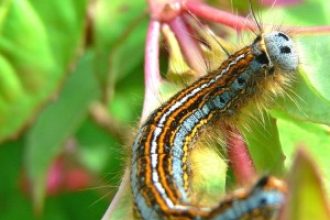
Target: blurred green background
62	65
71	93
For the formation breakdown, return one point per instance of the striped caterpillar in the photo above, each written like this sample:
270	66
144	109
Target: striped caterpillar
161	150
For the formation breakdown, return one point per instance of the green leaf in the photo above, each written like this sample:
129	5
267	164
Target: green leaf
64	22
263	142
315	52
120	30
99	151
11	192
129	92
306	198
306	13
314	136
36	47
305	103
58	122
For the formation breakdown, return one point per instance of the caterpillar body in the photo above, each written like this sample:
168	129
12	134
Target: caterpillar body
161	150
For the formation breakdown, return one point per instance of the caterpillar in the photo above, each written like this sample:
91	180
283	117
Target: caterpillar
159	167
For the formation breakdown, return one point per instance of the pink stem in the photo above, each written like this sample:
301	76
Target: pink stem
280	2
188	45
151	69
309	30
241	23
239	157
152	83
164	10
211	14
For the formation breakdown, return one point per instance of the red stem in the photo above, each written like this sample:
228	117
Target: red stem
239	157
240	23
211	14
309	30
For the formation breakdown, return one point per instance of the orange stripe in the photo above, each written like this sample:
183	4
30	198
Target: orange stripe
170	191
162	177
150	185
161	169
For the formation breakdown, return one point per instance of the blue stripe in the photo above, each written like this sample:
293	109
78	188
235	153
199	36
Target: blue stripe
146	211
258	200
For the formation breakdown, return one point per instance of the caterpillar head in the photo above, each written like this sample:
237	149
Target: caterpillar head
281	51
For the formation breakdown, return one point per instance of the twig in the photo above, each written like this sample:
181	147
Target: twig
101	116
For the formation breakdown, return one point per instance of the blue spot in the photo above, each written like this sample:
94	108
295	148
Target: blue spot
225	97
217	103
240	82
205	109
